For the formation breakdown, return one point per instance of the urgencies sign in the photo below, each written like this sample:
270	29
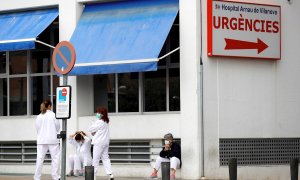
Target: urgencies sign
237	29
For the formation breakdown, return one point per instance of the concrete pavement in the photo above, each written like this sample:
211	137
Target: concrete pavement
48	177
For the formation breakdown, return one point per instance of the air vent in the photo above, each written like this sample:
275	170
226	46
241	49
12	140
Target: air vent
259	151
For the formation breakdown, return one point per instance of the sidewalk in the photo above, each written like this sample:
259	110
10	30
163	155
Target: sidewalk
48	177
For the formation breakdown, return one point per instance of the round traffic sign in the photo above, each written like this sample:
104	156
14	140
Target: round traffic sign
64	91
63	57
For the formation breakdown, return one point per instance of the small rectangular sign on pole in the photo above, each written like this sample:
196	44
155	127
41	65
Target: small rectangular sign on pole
63	102
240	29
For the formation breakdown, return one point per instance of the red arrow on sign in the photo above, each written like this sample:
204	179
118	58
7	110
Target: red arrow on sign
232	44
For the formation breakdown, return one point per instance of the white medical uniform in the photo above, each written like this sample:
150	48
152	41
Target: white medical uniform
47	127
174	162
100	141
83	154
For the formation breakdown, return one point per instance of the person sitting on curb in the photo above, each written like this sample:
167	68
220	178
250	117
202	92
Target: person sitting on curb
171	152
83	156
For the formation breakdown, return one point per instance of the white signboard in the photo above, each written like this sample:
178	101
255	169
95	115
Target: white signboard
63	102
239	29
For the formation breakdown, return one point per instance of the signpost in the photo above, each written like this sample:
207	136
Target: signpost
63	59
238	29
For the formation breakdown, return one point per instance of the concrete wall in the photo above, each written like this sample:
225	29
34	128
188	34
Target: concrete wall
152	126
251	98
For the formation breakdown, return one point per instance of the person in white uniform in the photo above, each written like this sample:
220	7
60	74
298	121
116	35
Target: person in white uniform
83	156
47	127
100	131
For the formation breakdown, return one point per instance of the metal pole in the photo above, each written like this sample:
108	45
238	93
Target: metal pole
165	170
89	172
232	169
294	169
63	139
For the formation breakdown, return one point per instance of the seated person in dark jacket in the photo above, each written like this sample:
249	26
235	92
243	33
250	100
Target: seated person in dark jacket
171	152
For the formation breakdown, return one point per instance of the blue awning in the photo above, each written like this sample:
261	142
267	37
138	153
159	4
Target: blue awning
124	36
19	30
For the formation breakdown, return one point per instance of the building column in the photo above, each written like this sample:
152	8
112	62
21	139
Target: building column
1	98
190	97
69	14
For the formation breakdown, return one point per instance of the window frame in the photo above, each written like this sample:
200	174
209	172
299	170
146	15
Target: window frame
142	98
29	75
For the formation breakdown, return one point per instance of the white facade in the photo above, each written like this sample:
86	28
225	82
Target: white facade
242	98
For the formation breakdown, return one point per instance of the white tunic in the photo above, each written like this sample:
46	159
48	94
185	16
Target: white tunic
101	130
47	127
84	148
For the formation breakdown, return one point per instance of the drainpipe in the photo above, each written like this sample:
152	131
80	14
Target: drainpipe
201	102
201	121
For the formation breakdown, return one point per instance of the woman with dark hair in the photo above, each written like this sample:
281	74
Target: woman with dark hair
171	152
82	157
47	127
100	131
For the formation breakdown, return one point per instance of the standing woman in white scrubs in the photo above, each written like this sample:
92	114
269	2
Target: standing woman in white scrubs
100	131
47	127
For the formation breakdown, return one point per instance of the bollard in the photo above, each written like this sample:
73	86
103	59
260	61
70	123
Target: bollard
232	169
165	170
294	169
89	172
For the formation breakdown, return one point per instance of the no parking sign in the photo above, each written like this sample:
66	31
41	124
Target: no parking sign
64	57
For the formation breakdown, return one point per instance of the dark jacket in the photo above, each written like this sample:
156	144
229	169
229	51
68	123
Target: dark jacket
175	151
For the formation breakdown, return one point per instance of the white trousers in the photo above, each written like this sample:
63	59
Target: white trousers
174	162
55	158
101	152
75	161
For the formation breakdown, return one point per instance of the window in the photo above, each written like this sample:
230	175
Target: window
40	86
174	89
157	91
3	97
128	92
2	63
104	92
18	96
40	62
161	91
18	62
27	77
